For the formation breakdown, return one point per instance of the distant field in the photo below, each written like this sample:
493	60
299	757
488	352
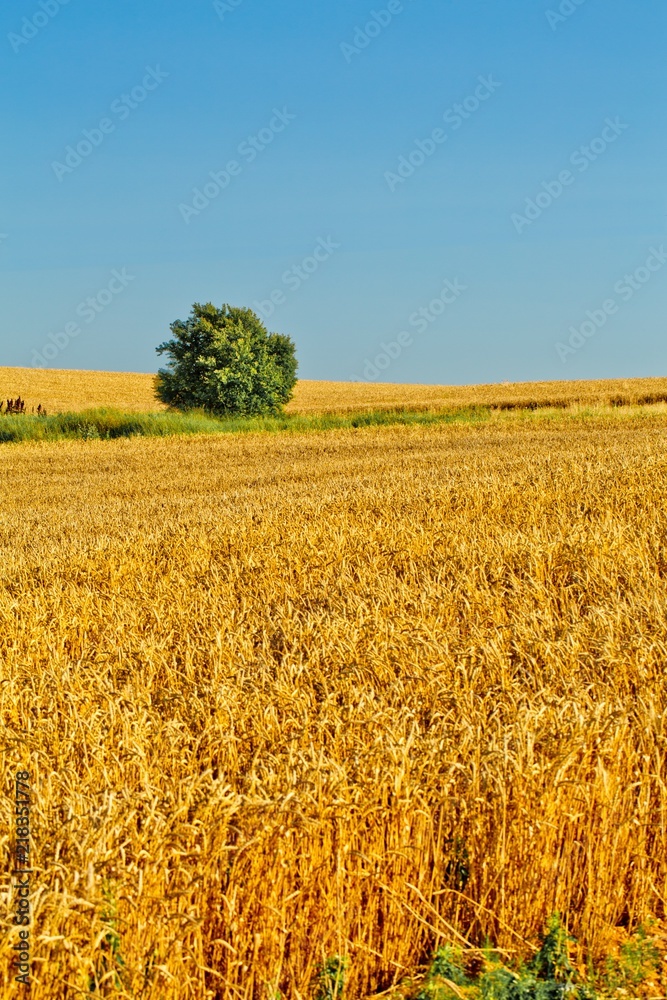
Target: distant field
71	391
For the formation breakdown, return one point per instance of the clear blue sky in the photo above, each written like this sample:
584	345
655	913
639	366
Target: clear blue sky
171	91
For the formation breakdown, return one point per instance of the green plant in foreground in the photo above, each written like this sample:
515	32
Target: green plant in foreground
447	967
110	966
548	976
638	959
331	978
552	962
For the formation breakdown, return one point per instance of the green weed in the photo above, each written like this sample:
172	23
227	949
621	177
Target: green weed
109	973
331	978
638	959
550	975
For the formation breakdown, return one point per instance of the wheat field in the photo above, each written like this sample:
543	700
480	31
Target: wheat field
350	693
62	390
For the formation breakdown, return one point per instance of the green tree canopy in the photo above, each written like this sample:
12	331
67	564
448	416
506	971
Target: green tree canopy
226	362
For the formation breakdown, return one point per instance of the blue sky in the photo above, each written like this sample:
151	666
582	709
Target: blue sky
369	157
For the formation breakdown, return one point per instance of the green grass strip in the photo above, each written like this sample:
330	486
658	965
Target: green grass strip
109	424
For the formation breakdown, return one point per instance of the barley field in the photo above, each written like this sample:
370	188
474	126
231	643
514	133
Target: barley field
357	693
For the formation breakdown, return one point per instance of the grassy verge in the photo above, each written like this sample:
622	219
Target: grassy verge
107	424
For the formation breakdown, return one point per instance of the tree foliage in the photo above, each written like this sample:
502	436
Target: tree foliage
226	362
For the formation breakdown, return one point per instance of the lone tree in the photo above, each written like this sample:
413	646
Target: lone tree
226	362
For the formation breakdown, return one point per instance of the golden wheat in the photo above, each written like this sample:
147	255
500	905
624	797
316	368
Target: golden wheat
278	694
61	391
66	391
